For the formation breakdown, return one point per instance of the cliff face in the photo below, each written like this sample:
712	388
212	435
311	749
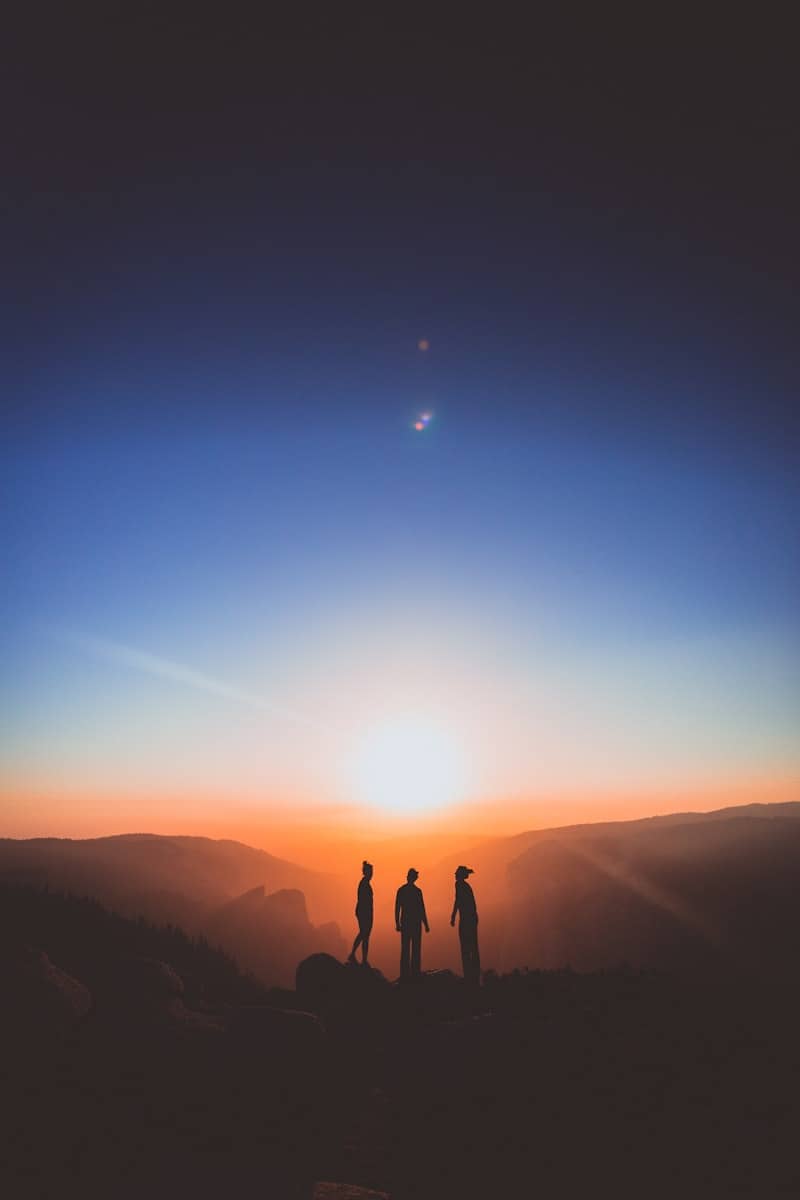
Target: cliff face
671	895
269	934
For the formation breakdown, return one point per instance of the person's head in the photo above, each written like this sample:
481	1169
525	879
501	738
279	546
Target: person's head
412	875
463	872
366	869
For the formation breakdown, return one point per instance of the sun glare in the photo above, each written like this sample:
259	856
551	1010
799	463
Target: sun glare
408	765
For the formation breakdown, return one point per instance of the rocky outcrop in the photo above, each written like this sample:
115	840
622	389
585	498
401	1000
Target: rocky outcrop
146	991
267	933
37	996
343	993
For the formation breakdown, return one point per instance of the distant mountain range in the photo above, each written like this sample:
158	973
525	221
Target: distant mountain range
251	903
669	891
495	855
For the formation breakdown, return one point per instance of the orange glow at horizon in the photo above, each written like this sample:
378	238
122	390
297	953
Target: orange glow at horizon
326	837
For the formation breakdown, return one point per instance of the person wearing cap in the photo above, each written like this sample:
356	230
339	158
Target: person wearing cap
363	913
467	909
409	918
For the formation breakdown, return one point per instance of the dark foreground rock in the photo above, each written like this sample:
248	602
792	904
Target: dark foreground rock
149	1083
337	990
547	1083
37	998
563	1085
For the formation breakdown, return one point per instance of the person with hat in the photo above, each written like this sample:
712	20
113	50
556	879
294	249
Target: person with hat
409	917
467	909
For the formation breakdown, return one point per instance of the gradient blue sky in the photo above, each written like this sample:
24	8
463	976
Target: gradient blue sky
228	554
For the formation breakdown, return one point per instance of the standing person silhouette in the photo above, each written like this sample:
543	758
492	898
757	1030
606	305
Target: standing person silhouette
364	911
409	917
467	909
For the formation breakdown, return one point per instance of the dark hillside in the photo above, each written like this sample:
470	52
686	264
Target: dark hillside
139	1061
667	895
147	1064
495	854
90	942
193	882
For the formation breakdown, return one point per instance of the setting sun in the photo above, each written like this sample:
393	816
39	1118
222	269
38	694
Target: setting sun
408	764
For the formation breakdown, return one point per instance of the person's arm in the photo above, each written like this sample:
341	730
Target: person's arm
424	914
455	908
397	911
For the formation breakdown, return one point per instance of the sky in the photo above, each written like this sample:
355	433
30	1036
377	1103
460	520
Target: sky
243	593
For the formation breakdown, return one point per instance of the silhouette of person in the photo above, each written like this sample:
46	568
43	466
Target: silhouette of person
467	909
409	917
363	913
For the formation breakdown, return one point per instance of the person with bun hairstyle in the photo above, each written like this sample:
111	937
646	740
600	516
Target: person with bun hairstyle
364	912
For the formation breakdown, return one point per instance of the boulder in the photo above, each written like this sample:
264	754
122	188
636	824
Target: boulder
38	996
318	981
146	990
327	986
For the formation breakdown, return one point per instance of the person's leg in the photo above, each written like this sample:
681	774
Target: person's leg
463	939
356	944
470	959
365	932
405	946
416	950
469	975
474	958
